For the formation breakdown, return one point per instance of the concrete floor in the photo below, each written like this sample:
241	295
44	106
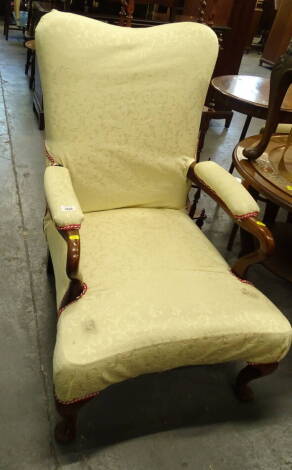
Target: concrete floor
183	419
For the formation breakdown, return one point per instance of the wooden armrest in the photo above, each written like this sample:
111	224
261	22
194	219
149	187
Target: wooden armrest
266	245
75	288
249	223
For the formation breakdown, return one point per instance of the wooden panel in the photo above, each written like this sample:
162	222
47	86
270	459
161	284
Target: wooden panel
254	26
191	8
235	41
217	11
223	12
280	34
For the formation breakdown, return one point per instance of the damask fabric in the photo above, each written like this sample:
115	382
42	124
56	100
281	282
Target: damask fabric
234	195
159	296
61	198
123	106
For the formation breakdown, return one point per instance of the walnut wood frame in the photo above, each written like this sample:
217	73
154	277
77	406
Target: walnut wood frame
260	232
65	430
75	288
251	372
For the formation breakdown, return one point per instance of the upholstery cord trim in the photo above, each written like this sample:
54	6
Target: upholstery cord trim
94	394
246	216
77	400
51	158
69	227
237	217
244	281
84	290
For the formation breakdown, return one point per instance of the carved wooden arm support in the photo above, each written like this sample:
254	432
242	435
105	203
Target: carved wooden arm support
246	221
67	214
281	78
265	249
72	238
75	288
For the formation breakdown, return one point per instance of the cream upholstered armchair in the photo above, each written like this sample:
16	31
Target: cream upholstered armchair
140	289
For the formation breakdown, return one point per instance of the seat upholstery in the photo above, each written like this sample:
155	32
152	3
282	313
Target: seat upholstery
159	296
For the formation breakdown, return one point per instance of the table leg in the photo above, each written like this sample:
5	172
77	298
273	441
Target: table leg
242	136
245	128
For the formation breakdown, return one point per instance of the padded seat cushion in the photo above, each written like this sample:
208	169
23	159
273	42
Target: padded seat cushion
159	296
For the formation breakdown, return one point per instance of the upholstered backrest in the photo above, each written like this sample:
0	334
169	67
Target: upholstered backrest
123	106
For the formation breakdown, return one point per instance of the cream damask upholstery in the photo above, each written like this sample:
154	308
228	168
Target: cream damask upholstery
151	306
122	109
234	195
116	79
62	200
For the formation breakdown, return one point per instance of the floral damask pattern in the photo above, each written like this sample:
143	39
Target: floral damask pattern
121	114
123	109
159	296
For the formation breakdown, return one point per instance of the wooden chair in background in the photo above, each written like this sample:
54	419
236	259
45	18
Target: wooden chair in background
15	17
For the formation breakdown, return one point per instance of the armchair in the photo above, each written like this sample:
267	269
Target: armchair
140	289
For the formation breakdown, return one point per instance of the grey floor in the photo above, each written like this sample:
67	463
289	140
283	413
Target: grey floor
183	419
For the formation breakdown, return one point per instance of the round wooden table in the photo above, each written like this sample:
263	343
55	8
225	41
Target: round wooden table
249	95
268	176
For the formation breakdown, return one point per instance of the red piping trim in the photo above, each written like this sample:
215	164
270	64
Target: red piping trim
91	395
84	290
244	281
77	400
50	158
246	216
239	217
69	227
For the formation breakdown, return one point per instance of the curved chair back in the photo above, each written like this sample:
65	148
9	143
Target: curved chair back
123	106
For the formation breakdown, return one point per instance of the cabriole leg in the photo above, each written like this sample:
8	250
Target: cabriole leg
65	430
249	373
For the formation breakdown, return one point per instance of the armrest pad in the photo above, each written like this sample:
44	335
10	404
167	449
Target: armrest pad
233	194
61	198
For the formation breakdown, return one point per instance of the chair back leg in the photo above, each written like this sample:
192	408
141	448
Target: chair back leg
251	372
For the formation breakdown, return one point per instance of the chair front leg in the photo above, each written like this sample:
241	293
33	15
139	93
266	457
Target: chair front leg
65	430
251	372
